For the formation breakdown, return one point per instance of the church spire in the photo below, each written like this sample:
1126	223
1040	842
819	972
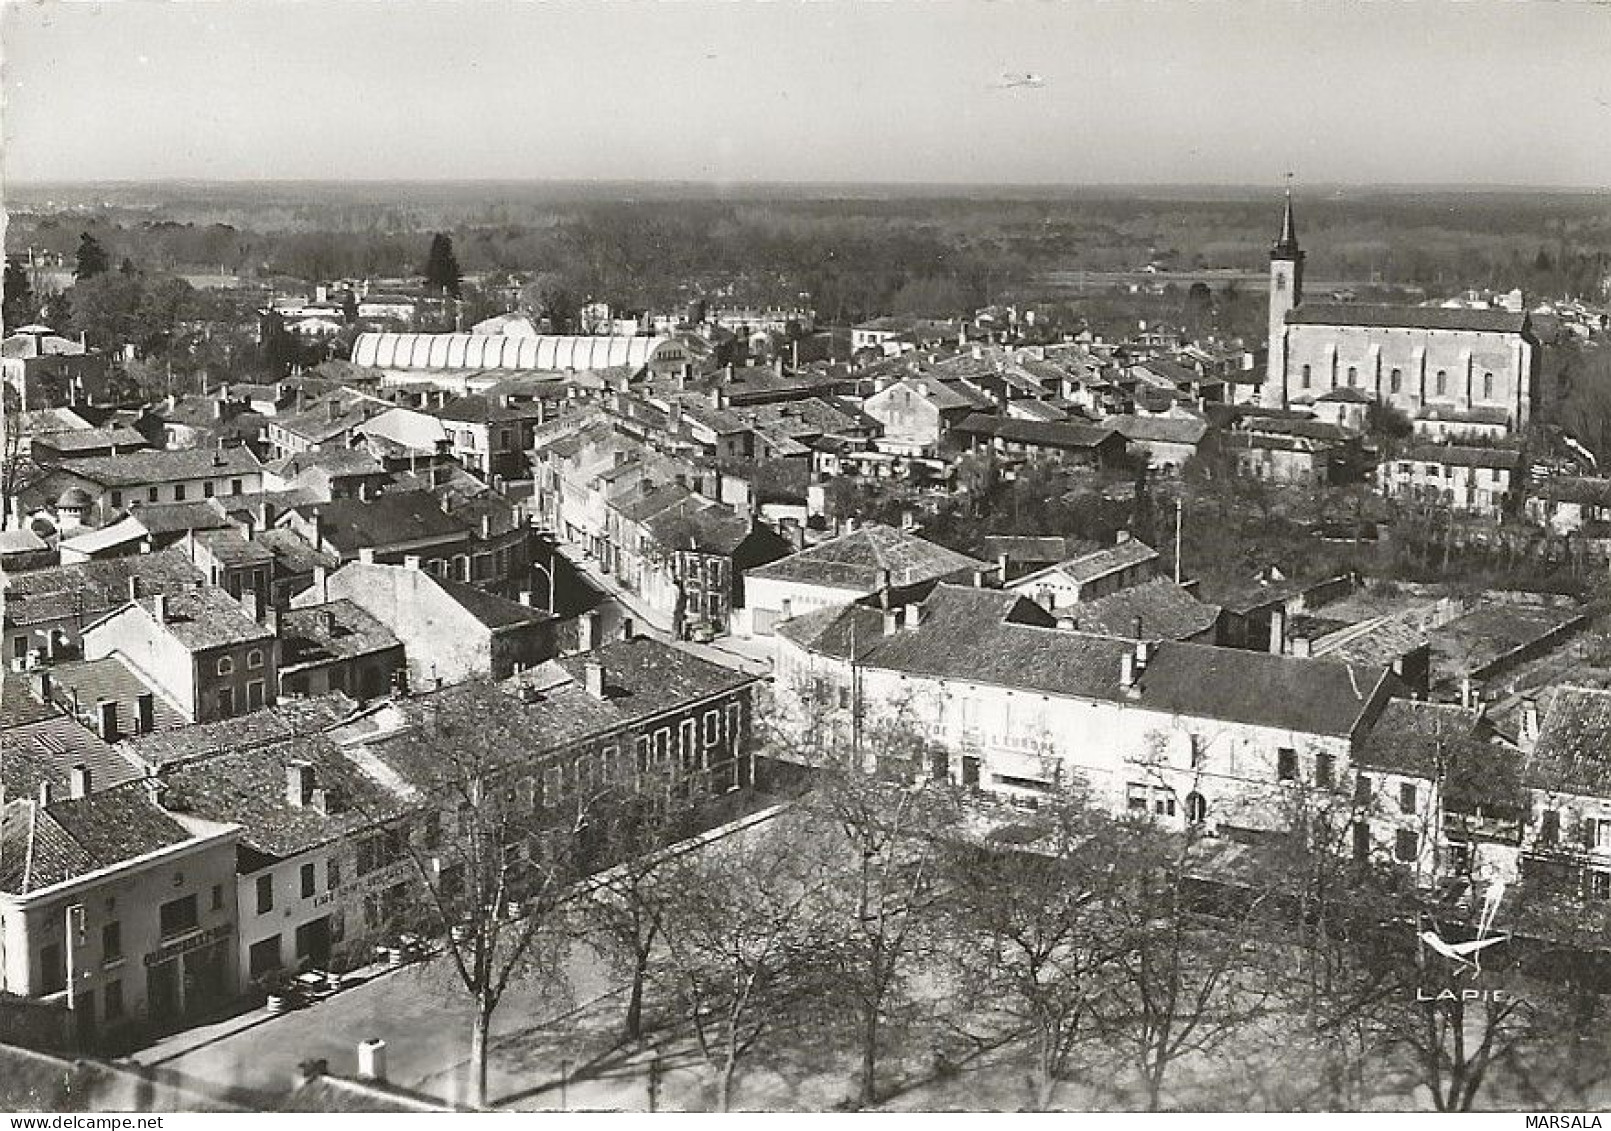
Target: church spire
1287	246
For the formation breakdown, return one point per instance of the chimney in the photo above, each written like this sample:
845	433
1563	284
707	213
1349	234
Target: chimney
331	409
80	779
411	561
486	527
594	672
298	784
321	584
892	621
327	618
106	719
1068	623
1467	695
1127	670
1278	631
1001	567
372	1060
159	607
42	687
145	707
1301	647
885	583
1528	735
914	615
978	579
366	554
525	597
363	490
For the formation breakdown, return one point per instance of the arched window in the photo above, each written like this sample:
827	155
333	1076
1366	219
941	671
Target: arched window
1353	376
1305	376
1196	808
1443	382
226	665
1396	380
254	658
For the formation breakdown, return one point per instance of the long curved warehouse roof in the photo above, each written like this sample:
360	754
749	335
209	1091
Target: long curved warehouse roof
497	351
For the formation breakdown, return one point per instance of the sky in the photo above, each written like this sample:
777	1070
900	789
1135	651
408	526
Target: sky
1234	92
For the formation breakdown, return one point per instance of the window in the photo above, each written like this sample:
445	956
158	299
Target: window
1600	885
1549	827
1487	386
1602	833
234	486
1361	840
1442	382
1353	376
1198	749
226	665
179	493
264	956
1136	798
687	741
254	695
662	745
52	968
1395	381
226	701
111	941
1196	808
332	873
1406	797
150	494
265	894
208	490
1323	769
1362	790
117	498
114	999
308	880
254	659
218	897
1286	764
1406	846
1305	379
713	726
177	916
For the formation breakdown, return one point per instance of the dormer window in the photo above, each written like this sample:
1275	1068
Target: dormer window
226	665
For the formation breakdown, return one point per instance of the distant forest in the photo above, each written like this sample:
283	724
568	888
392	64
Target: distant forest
855	253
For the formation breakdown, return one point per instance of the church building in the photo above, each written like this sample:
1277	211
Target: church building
1476	367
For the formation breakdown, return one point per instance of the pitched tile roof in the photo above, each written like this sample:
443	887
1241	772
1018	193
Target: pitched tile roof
315	634
289	718
857	561
386	520
1572	754
45	845
483	409
47	751
490	609
1417	739
1098	562
995	637
135	469
334	461
292	554
1164	610
1037	433
1454	414
1409	317
205	617
79	685
1160	429
233	548
1575	489
176	518
246	785
87	590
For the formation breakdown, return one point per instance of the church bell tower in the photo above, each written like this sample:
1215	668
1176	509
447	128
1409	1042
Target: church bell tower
1286	292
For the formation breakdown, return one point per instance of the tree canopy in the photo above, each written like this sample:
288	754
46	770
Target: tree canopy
442	266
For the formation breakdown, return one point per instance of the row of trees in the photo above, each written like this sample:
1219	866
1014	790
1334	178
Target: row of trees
868	929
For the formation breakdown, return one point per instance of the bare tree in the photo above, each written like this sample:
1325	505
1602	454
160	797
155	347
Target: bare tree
1189	978
1036	943
623	909
495	853
739	930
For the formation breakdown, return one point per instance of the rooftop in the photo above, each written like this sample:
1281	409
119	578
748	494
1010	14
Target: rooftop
1408	317
86	590
81	684
995	637
136	469
1571	755
391	519
203	618
858	561
288	718
41	846
1100	562
1458	455
315	634
1161	609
